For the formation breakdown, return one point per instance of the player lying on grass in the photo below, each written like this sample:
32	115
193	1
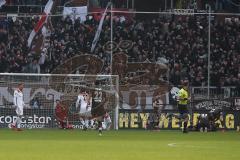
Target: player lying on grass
207	122
61	114
18	104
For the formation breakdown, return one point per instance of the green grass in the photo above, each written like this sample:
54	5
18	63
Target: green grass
118	145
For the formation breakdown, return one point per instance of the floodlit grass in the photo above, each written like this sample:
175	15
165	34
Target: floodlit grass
118	145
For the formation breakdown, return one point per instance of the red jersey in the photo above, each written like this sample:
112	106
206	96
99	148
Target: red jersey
61	112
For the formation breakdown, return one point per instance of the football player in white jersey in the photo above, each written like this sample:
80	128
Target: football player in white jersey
18	104
107	122
84	108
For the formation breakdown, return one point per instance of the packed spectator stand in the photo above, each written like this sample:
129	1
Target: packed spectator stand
181	40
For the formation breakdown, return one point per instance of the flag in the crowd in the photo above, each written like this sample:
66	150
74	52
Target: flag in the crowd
99	30
2	2
41	41
41	21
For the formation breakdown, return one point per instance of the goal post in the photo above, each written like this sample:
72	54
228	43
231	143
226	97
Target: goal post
42	92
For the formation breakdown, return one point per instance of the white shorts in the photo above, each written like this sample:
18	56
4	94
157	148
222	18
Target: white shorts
107	120
85	114
19	111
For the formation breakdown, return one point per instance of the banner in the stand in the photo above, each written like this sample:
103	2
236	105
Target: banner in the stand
237	103
76	12
128	119
35	119
131	119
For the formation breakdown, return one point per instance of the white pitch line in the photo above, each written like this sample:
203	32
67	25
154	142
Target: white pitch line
188	146
172	144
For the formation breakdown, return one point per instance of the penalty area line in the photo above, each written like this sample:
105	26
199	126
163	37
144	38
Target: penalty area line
188	146
172	144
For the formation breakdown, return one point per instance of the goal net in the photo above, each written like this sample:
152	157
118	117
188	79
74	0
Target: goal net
44	93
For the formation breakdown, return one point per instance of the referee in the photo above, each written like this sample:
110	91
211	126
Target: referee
183	99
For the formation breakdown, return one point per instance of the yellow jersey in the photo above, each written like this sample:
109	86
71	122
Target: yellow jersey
183	97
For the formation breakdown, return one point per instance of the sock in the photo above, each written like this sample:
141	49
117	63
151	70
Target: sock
15	122
87	123
18	122
100	130
92	122
185	125
82	122
100	127
62	124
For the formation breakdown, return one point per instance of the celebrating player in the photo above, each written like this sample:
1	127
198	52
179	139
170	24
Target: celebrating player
98	108
18	104
92	106
82	104
183	99
84	108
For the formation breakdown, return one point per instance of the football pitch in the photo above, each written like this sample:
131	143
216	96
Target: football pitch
118	145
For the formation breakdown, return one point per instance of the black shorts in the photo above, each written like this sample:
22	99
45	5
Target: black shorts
182	108
98	109
203	122
183	111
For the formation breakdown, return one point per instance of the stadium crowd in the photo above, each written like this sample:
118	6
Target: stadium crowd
30	2
180	41
101	3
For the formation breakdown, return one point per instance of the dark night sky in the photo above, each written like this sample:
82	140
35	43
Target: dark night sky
148	5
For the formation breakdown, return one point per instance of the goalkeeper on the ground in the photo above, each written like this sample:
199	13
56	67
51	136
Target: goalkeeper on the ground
207	122
61	113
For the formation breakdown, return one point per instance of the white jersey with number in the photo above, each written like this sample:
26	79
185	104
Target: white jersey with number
83	104
18	101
